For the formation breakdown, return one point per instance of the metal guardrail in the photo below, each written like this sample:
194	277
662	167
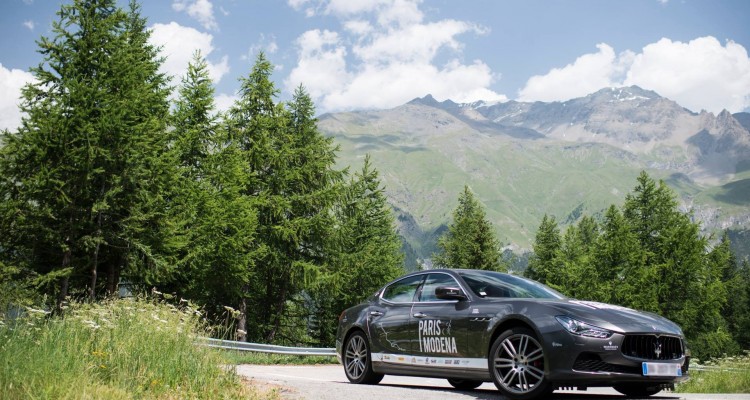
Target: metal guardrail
331	352
267	348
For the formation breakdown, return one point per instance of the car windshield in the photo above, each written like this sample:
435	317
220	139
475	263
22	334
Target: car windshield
496	284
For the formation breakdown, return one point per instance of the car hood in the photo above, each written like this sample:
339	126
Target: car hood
616	318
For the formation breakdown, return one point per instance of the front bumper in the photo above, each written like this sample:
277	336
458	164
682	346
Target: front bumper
581	361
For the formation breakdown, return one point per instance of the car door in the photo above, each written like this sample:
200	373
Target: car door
441	325
389	321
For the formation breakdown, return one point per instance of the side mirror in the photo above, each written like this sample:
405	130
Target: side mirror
449	293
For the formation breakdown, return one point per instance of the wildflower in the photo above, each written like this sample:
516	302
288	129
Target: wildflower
157	318
91	324
36	311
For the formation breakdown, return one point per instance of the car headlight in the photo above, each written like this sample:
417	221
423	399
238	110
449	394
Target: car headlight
582	329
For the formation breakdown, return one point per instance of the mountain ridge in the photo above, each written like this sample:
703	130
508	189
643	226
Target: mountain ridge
524	160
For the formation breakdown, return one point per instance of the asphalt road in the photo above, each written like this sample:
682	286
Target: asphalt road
328	382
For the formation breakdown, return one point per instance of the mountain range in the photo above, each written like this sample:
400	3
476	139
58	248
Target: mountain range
524	160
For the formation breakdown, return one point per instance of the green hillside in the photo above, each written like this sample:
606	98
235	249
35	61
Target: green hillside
425	167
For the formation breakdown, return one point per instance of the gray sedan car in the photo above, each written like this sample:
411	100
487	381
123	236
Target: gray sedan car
471	326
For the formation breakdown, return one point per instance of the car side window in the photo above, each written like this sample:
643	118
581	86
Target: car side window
404	290
433	282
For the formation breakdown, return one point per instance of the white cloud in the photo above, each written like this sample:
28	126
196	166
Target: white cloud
589	73
358	27
265	44
178	45
387	12
11	82
29	24
418	43
225	101
200	10
700	74
322	64
384	56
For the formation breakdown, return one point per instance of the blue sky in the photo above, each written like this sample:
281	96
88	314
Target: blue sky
356	54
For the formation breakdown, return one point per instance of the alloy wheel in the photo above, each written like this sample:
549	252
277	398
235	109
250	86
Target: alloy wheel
519	363
355	359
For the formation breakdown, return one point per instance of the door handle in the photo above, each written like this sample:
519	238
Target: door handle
419	315
376	314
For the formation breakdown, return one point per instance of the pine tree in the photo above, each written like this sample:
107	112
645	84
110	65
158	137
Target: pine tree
470	241
363	254
545	264
219	221
619	263
737	309
673	250
140	236
578	277
291	177
82	175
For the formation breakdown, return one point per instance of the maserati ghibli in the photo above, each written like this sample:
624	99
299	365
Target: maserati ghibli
471	326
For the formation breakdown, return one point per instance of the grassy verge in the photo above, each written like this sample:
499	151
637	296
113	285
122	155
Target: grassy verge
247	357
120	349
727	375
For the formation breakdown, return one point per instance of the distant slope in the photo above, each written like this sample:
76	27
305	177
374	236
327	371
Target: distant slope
525	160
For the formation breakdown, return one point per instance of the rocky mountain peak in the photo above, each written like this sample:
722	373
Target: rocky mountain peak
429	100
625	93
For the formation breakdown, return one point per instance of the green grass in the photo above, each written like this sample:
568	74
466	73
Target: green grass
121	349
727	375
247	357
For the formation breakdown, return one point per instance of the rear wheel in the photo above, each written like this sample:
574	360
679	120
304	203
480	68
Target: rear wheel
517	365
464	384
637	390
357	361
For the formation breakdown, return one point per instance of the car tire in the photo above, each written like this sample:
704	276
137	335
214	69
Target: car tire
637	390
358	361
464	384
517	363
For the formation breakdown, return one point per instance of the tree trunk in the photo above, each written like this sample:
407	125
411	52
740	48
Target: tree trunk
280	306
92	289
64	284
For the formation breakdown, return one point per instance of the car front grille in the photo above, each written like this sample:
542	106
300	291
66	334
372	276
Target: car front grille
652	347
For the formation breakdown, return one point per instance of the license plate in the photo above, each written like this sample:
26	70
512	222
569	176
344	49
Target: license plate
661	369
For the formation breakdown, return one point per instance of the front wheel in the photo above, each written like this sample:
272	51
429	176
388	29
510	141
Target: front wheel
464	384
357	361
517	365
637	390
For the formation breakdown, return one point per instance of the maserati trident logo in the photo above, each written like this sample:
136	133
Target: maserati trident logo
657	349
